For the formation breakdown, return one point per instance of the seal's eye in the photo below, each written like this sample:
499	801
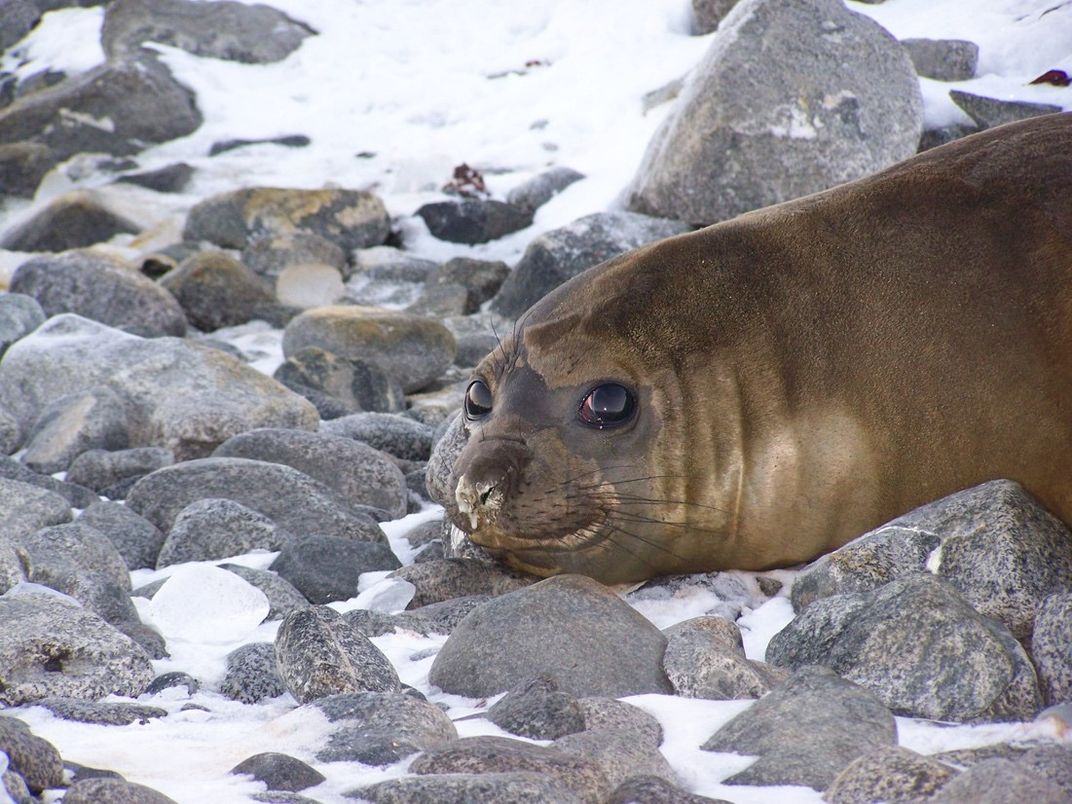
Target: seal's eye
477	399
607	405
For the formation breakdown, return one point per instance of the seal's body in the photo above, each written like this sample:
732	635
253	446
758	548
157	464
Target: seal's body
761	391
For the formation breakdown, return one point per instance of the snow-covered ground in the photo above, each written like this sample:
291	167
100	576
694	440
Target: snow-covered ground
412	82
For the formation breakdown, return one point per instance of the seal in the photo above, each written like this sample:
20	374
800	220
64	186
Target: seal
758	392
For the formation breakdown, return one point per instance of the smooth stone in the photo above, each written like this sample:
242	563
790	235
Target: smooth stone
890	773
105	791
1000	781
480	280
136	539
396	435
269	256
943	59
74	220
79	546
538	710
252	674
101	469
17	18
23	165
20	315
33	758
655	790
168	179
280	771
349	385
76	496
704	659
991	112
444	453
465	787
707	14
326	569
541	188
287	140
25	508
618	755
95	418
435	618
212	528
452	578
172	680
101	713
620	717
473	220
215	290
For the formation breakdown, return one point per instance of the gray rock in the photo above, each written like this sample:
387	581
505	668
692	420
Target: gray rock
213	528
618	755
95	591
968	669
1000	781
326	568
252	674
943	59
561	254
34	759
318	653
141	100
704	659
215	290
168	179
890	773
254	34
14	566
654	790
270	489
933	137
76	496
481	279
269	256
438	476
472	348
95	418
171	680
473	220
23	165
287	140
136	539
435	618
707	14
834	98
17	18
19	316
113	791
413	350
50	647
731	592
280	771
990	112
282	596
380	728
1051	648
25	509
806	731
441	300
9	433
351	385
348	218
354	470
551	624
439	581
1052	762
541	188
149	639
101	288
538	710
101	713
71	221
387	276
608	714
519	788
400	436
101	470
82	546
179	396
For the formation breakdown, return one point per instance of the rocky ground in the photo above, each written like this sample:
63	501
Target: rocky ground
136	436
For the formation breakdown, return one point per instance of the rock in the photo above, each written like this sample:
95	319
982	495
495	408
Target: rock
399	436
890	773
19	316
288	141
280	771
441	301
308	285
607	714
541	188
71	221
319	654
100	469
834	98
653	790
17	18
95	418
380	728
9	433
933	137
386	276
135	538
254	34
50	647
943	59
270	489
179	396
990	112
100	713
1000	781
1052	762
435	618
472	348
326	568
969	669
282	596
25	509
141	101
561	254
354	385
348	218
23	165
480	279
172	680
550	624
252	674
441	462
702	660
36	760
211	529
101	288
355	471
437	788
707	14
806	731
105	791
619	756
171	178
473	220
439	581
216	290
413	350
76	496
539	711
1051	648
78	546
270	256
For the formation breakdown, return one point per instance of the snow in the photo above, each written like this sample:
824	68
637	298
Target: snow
416	87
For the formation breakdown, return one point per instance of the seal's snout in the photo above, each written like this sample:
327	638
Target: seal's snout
488	473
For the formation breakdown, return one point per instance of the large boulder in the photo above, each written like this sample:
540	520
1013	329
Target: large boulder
793	97
73	220
215	290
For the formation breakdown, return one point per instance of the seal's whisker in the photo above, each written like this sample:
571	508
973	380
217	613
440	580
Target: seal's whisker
616	497
649	542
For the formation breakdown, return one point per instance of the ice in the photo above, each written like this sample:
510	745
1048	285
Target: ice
203	603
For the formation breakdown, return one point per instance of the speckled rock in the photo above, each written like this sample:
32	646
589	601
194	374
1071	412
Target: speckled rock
1051	648
380	728
135	538
989	112
480	279
95	418
252	674
102	470
80	545
806	731
36	760
707	14
435	618
413	350
621	717
441	462
171	680
1000	781
473	220
319	654
25	508
619	755
280	771
396	435
539	711
215	290
943	59
438	581
100	713
113	791
541	188
890	773
552	623
212	528
19	316
350	385
519	787
326	568
282	595
75	220
655	790
704	659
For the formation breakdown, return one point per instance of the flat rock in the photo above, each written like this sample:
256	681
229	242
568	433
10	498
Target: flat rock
473	220
520	787
550	625
890	773
213	528
71	221
215	290
806	731
135	538
25	508
538	710
349	386
35	759
400	436
252	674
101	790
280	771
541	188
834	98
327	568
20	315
101	470
1051	648
95	418
439	581
101	288
990	112
101	713
943	59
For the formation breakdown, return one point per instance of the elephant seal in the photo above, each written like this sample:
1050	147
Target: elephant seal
758	392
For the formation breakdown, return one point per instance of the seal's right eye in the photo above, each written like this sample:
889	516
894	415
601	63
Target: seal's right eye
477	400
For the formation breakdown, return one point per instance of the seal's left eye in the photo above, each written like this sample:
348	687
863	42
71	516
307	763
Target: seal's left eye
607	405
477	399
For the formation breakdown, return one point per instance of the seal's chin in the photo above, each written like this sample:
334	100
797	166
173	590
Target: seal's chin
577	552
